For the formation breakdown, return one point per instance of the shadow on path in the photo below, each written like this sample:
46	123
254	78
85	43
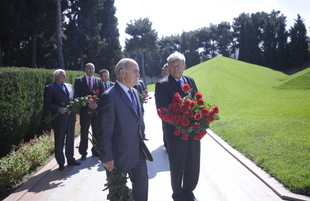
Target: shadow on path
160	163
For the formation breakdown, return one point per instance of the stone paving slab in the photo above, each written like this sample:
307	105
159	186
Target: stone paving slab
226	175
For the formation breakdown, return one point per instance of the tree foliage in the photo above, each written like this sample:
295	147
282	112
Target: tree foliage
143	38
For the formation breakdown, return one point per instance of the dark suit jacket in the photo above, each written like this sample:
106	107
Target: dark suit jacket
165	90
110	84
54	98
81	87
119	133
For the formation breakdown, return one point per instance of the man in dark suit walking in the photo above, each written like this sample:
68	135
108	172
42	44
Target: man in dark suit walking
56	96
184	155
84	86
105	79
119	133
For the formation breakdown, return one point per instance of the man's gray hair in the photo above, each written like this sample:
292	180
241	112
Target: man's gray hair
175	57
122	64
57	72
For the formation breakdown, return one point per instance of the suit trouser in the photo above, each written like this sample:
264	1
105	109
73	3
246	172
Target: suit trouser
184	158
64	133
85	121
139	179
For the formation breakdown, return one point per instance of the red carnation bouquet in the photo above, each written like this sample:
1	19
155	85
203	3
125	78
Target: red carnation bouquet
191	115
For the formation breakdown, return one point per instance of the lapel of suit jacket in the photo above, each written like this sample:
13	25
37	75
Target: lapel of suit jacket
125	98
59	87
69	88
176	86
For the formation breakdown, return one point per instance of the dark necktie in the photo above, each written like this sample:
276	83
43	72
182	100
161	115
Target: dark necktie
90	87
64	88
133	100
105	86
180	82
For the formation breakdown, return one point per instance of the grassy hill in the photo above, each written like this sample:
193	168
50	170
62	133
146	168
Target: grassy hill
265	114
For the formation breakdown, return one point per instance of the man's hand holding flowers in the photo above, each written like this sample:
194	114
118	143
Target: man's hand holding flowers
190	116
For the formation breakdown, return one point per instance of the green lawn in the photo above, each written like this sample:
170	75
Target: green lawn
265	114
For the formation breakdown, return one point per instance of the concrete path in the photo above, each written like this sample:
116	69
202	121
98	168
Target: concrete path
226	175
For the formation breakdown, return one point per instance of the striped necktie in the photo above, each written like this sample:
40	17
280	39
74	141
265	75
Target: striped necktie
133	100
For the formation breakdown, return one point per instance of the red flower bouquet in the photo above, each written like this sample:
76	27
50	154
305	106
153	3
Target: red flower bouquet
191	115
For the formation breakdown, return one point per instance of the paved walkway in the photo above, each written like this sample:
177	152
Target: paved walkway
225	175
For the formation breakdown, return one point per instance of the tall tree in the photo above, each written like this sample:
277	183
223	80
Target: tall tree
83	32
299	43
224	38
12	30
189	47
110	52
59	35
143	38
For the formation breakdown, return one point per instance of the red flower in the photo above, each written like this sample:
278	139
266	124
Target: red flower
177	110
177	132
186	87
195	125
198	116
161	112
210	118
202	133
190	114
212	112
192	105
184	109
171	107
175	121
205	111
177	98
197	137
181	118
166	118
216	109
184	136
185	122
198	96
200	102
91	100
187	103
95	91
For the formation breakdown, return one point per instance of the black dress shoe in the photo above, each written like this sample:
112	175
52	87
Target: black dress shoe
74	163
61	167
83	157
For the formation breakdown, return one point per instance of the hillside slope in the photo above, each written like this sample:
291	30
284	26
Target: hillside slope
264	114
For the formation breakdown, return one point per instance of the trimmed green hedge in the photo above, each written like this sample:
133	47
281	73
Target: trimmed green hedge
21	101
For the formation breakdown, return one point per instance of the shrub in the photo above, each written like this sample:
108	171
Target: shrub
24	158
21	100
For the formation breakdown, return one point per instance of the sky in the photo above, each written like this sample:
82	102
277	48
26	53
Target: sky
170	17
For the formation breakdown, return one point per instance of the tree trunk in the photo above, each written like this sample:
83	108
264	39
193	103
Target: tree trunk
59	34
1	63
142	67
82	59
34	49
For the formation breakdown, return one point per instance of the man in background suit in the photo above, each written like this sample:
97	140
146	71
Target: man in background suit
84	86
141	88
105	79
184	155
119	133
56	96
